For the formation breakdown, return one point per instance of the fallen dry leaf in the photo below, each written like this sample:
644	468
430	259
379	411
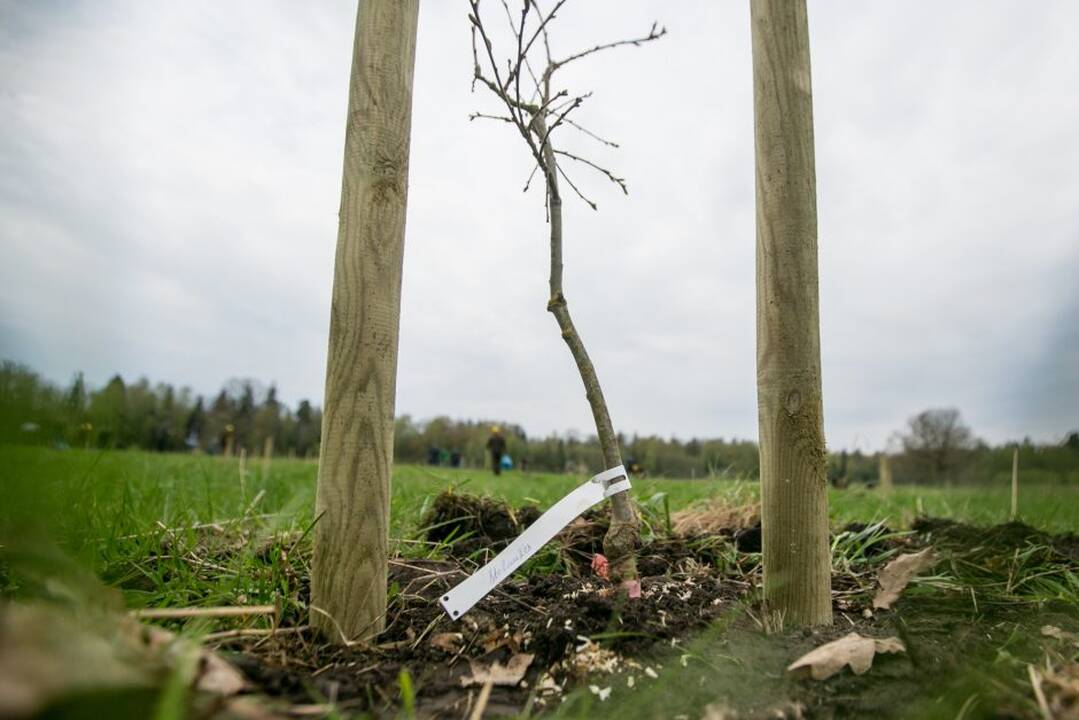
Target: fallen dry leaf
497	674
853	649
895	576
217	676
449	642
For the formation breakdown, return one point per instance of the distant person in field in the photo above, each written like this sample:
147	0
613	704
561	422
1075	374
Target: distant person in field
496	446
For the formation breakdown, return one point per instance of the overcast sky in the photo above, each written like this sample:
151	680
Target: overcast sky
170	177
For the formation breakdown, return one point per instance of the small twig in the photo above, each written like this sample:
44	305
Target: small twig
542	30
337	626
576	189
190	557
198	612
1039	694
481	701
620	182
589	133
426	572
531	175
426	630
252	632
636	42
485	116
552	107
520	602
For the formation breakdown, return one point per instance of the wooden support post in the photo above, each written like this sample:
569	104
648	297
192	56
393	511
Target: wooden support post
243	475
885	481
348	574
267	455
1015	484
794	484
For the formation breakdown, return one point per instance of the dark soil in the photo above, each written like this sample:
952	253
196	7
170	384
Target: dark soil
698	623
545	616
458	519
997	539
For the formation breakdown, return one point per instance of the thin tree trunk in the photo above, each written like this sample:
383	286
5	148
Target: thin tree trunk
794	494
620	543
348	575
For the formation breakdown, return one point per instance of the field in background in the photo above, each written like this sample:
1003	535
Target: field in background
85	530
120	515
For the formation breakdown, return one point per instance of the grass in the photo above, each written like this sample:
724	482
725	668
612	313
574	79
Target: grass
135	529
142	521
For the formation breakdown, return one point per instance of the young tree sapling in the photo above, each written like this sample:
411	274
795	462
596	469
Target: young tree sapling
537	109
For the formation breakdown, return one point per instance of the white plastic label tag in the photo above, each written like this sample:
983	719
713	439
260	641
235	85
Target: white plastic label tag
475	587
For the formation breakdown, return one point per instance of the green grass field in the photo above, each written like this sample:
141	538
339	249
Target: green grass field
140	530
109	512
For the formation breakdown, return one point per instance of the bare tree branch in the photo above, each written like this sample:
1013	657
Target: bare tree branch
485	116
653	34
620	182
575	188
594	136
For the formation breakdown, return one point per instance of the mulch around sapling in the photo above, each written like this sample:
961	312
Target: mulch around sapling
550	617
699	591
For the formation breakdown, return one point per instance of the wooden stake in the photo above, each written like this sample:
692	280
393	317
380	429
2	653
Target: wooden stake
1015	484
267	455
885	474
243	474
794	483
349	572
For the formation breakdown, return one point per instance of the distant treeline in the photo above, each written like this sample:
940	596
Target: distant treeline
934	448
157	417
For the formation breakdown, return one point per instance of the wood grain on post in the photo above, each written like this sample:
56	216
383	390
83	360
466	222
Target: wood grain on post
348	576
797	568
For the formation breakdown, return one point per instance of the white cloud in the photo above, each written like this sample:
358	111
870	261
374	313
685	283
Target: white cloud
169	183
